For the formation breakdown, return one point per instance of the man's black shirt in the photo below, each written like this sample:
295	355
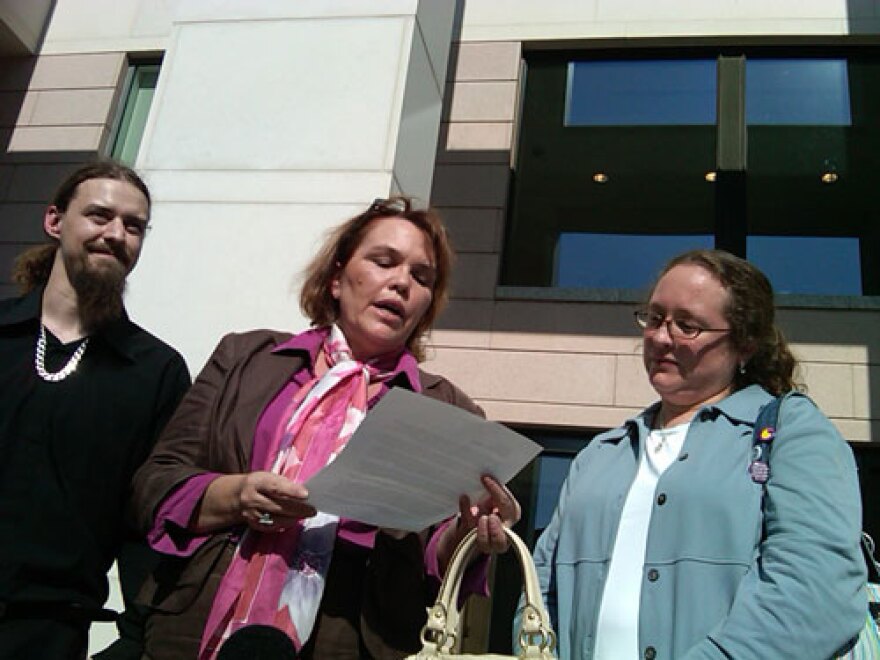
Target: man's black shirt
69	449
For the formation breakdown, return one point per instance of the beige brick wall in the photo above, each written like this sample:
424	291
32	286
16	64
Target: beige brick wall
473	164
56	111
578	364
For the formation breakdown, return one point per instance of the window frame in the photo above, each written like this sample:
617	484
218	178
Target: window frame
731	148
128	125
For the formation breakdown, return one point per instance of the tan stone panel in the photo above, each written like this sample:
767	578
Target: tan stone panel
8	253
474	186
866	389
481	101
77	71
6	171
471	156
15	72
16	108
631	386
566	326
458	366
831	387
473	230
56	138
856	430
478	136
490	60
454	338
600	418
843	335
36	183
530	377
468	316
835	354
21	223
564	341
72	107
475	276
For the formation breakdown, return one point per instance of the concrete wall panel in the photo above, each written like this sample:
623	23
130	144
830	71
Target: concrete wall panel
299	102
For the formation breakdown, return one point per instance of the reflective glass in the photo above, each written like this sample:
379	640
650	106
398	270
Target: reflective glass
611	186
812	175
552	471
641	93
139	98
808	264
596	260
615	170
797	92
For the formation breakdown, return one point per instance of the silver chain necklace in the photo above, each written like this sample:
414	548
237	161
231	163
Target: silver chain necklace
66	370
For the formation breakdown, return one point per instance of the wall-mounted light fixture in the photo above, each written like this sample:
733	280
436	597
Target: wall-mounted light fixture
829	172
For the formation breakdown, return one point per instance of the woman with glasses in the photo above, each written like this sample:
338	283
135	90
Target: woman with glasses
664	544
222	497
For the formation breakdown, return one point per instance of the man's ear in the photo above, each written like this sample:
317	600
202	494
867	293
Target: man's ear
52	222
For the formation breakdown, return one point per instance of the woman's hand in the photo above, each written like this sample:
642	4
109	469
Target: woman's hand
265	501
269	502
496	510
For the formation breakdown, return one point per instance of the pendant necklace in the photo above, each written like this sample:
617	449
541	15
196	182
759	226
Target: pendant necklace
66	370
658	434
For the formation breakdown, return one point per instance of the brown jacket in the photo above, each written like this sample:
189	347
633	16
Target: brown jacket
373	601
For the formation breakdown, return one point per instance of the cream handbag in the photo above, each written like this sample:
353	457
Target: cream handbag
441	633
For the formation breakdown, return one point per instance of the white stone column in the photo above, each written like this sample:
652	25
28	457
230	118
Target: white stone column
272	122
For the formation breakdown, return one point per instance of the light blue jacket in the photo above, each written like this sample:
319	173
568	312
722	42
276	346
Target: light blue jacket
724	576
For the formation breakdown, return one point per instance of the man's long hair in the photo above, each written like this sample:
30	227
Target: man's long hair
33	266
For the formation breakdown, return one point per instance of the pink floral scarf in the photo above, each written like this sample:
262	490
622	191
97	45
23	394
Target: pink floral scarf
278	578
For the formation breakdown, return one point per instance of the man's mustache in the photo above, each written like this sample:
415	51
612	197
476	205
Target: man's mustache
116	251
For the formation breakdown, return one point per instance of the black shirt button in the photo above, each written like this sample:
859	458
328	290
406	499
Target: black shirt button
661	499
653	575
650	653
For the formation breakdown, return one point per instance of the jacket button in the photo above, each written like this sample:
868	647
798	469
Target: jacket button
683	457
650	653
661	499
653	575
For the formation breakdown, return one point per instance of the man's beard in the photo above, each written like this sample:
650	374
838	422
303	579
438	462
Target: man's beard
98	290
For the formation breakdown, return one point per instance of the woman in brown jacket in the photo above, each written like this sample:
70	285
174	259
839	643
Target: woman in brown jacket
221	495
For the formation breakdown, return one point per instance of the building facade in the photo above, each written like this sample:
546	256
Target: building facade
571	146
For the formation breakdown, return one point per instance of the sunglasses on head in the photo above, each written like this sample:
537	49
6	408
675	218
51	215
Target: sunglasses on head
396	206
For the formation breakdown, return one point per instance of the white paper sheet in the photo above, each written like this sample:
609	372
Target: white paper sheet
411	458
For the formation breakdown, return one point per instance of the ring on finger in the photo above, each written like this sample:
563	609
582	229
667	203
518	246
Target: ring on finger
264	518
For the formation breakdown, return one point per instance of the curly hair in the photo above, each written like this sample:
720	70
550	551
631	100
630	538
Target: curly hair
751	314
316	299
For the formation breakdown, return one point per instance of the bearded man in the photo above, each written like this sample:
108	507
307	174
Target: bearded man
85	393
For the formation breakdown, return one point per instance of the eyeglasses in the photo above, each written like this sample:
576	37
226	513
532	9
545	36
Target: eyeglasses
393	206
677	328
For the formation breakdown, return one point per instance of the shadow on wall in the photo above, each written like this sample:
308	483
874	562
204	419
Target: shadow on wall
862	17
472	188
27	178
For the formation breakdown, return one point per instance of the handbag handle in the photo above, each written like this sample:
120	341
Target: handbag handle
440	633
868	546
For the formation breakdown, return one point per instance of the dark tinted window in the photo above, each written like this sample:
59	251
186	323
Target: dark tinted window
615	171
